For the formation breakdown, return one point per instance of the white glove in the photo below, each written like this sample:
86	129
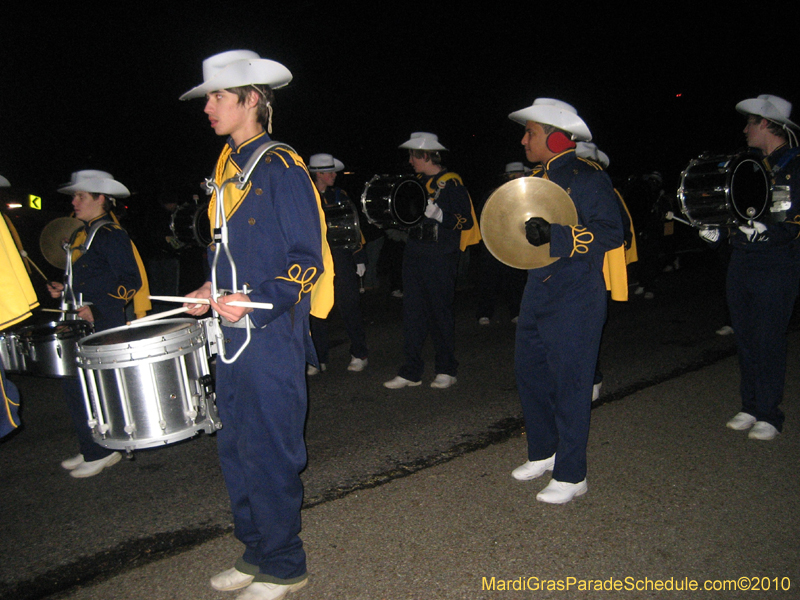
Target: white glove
710	235
756	233
361	268
432	211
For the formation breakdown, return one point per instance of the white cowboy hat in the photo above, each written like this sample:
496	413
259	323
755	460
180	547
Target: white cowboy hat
770	107
95	182
236	68
515	167
324	163
4	182
548	111
422	140
592	152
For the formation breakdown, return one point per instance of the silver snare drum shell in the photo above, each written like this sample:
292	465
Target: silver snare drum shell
394	201
147	385
51	348
725	191
11	352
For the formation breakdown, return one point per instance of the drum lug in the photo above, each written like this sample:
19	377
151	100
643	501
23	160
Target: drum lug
207	384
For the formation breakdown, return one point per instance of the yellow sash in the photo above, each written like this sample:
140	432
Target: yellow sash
473	234
322	290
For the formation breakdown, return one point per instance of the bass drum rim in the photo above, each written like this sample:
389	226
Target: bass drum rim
718	191
389	217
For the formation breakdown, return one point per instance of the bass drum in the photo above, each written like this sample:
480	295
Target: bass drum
394	201
50	349
147	384
189	223
725	191
343	227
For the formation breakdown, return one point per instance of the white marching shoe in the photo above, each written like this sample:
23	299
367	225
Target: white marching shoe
443	381
561	492
400	382
270	591
357	364
741	421
763	431
231	579
534	468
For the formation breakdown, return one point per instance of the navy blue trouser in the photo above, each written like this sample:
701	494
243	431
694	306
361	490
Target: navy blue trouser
429	287
77	410
346	299
762	290
558	339
262	403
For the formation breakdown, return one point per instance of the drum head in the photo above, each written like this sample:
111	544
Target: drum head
136	333
408	202
749	189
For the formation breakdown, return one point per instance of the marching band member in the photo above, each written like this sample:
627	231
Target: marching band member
106	275
564	303
430	264
349	265
764	270
277	238
16	303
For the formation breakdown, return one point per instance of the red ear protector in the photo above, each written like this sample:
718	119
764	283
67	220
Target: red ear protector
558	142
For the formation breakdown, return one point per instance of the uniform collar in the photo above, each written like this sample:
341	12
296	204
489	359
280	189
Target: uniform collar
263	137
560	160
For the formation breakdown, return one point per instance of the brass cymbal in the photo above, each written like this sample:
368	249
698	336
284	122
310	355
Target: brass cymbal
510	206
52	238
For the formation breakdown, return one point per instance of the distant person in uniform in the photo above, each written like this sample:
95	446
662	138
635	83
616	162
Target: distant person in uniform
764	270
349	265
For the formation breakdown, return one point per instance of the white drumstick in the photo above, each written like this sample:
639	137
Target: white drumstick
186	300
161	315
671	217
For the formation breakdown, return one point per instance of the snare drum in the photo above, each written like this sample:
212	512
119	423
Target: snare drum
189	223
725	191
394	201
50	349
147	384
343	227
11	352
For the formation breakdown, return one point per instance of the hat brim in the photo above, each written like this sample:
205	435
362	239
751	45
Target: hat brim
108	187
755	106
551	115
337	166
422	144
251	71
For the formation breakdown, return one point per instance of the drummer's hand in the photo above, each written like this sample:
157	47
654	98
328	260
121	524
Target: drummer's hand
55	289
85	313
432	211
232	313
537	231
757	232
709	234
199	309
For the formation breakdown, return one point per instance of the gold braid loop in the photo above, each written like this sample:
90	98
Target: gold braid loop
581	238
124	293
460	221
303	278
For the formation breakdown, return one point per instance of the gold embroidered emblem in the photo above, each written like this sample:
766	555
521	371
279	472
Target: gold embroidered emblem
251	220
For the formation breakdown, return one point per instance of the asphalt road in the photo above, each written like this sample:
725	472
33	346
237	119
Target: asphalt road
60	533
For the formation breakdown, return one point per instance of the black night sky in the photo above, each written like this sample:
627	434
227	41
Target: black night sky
97	86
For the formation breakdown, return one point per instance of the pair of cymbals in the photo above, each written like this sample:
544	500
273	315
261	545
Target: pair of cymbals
510	206
53	237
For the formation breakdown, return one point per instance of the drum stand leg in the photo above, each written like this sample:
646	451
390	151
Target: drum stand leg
189	410
161	421
122	390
